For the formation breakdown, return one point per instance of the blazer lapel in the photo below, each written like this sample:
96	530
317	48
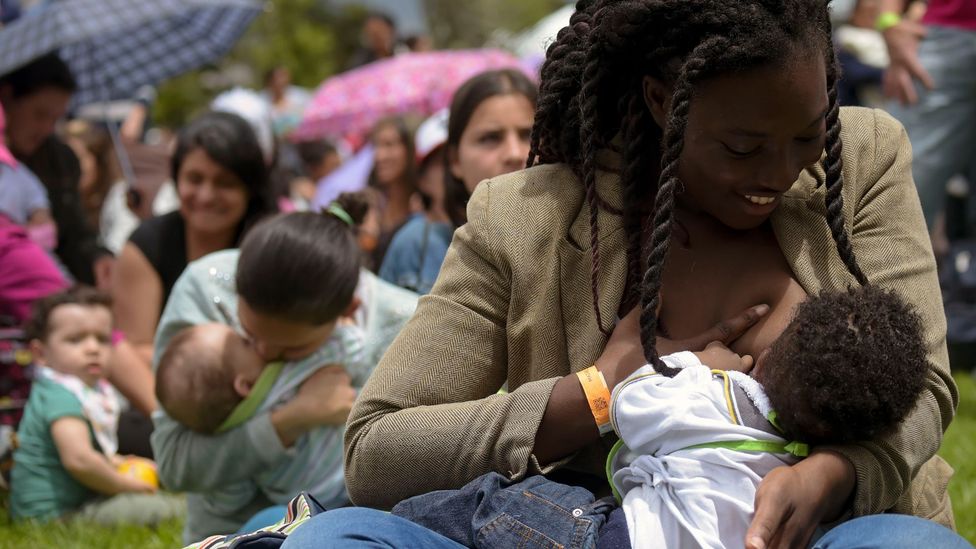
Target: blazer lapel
800	226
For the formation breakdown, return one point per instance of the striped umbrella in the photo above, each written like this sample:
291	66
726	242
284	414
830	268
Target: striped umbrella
114	47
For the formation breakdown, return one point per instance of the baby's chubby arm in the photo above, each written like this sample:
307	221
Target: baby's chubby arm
86	464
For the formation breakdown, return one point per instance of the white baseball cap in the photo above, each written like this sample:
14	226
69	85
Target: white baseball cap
432	134
253	108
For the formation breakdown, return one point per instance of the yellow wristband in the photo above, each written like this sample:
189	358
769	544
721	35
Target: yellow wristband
886	20
597	396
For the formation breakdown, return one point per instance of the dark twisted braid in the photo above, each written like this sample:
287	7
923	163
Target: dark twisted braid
674	140
560	76
833	167
591	143
635	175
591	92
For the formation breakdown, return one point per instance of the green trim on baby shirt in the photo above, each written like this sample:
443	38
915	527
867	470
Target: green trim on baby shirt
246	408
798	449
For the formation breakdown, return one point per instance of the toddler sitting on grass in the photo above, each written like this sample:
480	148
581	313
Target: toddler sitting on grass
66	462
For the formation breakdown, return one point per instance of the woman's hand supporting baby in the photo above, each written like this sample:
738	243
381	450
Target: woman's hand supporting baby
792	501
324	399
624	354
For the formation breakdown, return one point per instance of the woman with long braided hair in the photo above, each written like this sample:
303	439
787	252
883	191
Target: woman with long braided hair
689	161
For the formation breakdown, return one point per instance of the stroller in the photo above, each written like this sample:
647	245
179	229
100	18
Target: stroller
16	373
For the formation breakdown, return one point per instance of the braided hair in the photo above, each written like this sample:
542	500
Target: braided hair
592	91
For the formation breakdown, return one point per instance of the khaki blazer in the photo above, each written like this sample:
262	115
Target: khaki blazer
513	304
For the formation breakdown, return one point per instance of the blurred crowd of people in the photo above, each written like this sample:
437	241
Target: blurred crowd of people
128	213
152	217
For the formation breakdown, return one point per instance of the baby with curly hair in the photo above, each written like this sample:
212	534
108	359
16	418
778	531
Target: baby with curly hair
694	447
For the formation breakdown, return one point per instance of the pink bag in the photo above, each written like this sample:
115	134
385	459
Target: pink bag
27	272
5	155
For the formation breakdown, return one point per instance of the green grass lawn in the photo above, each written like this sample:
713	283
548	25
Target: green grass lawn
959	448
70	535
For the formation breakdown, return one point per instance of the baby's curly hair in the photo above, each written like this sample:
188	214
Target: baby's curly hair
849	367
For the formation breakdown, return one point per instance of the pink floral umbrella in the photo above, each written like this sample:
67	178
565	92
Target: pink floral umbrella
347	105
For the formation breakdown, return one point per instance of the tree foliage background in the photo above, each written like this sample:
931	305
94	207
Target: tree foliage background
315	41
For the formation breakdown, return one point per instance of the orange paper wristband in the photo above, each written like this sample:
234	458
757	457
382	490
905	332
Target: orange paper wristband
597	396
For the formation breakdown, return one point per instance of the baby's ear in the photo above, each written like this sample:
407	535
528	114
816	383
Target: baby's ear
242	386
760	362
353	306
37	351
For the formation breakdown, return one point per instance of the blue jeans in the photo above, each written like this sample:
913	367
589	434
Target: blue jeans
892	531
942	125
360	527
492	512
364	527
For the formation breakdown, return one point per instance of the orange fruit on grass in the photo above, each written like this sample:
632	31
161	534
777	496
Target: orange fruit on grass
141	468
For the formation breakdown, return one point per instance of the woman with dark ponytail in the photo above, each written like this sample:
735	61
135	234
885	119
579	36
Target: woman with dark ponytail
689	161
285	288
